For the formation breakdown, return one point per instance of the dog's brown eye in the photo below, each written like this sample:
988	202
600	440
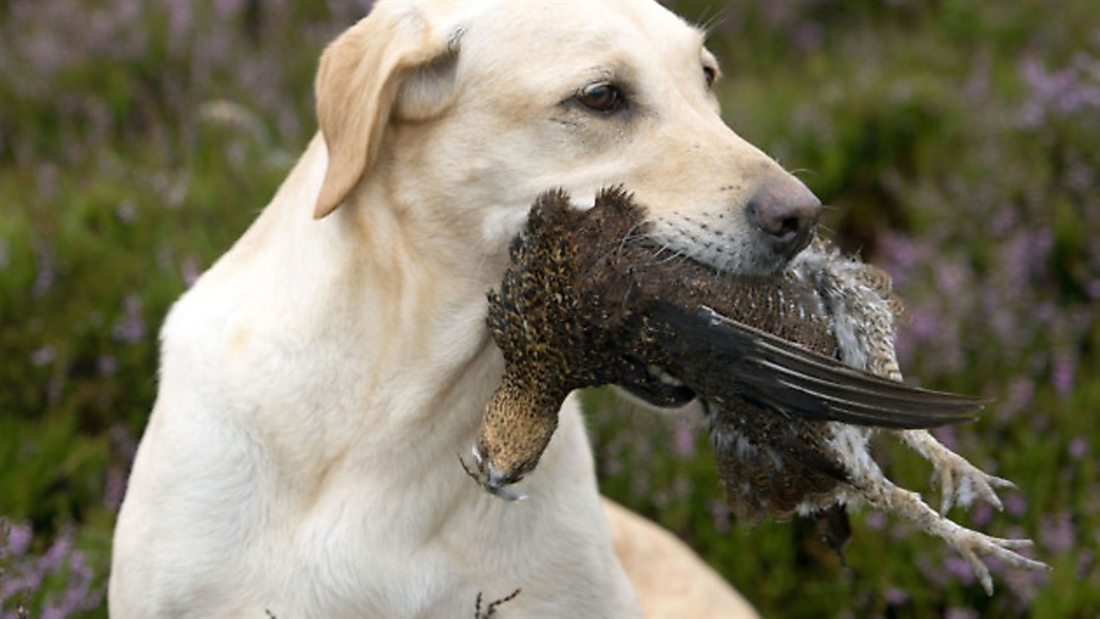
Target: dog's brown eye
602	98
711	74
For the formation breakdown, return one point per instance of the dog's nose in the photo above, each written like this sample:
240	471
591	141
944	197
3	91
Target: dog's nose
786	212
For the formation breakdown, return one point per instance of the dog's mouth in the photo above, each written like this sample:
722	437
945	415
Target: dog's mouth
792	244
758	255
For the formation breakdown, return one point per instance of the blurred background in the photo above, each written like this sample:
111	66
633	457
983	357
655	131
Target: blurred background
956	141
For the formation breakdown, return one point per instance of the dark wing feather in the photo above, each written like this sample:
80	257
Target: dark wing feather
714	355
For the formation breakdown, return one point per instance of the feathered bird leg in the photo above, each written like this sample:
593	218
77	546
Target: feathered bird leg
873	488
960	481
865	308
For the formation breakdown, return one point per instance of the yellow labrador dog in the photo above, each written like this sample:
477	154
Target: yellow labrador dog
319	381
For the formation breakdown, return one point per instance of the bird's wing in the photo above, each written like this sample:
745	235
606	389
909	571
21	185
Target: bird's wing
716	354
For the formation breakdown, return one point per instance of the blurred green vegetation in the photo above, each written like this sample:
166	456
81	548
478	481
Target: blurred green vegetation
957	142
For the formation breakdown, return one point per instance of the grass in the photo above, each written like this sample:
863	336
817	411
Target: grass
955	141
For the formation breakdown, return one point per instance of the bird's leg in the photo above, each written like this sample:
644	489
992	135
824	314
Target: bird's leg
880	493
960	481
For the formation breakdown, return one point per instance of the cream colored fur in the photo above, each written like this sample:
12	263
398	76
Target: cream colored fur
318	383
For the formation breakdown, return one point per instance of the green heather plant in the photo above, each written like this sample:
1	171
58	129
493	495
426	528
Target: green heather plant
957	143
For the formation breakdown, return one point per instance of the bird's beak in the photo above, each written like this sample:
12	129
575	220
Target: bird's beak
489	478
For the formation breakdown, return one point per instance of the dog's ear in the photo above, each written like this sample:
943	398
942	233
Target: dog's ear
361	77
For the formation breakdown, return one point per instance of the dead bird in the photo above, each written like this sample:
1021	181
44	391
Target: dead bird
586	304
783	366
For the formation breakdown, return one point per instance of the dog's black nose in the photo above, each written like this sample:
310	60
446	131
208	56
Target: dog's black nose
786	212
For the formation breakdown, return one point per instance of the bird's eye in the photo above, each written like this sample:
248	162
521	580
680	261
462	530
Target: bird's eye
711	74
602	97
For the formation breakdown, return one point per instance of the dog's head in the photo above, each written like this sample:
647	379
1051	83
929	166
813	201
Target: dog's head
462	113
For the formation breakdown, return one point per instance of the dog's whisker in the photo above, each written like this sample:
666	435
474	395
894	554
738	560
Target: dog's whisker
630	234
709	24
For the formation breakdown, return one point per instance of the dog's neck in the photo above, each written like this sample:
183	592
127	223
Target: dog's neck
419	317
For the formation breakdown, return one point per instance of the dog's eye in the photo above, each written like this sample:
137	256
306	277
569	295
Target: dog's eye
711	74
602	97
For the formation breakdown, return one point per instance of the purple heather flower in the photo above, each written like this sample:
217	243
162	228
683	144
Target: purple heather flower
1015	504
981	514
179	26
1078	447
948	436
189	269
1003	222
80	579
905	346
1092	288
46	271
226	9
130	329
808	37
122	442
1024	584
1016	532
959	569
684	442
19	538
1063	372
1057	533
720	514
900	531
924	323
997	567
1020	393
876	521
895	596
1045	312
107	365
899	254
55	555
1086	558
951	279
43	356
956	612
115	489
933	573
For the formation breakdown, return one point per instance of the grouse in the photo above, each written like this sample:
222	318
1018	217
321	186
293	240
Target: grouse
794	370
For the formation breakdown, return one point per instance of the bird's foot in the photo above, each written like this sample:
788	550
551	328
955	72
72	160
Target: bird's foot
974	546
960	481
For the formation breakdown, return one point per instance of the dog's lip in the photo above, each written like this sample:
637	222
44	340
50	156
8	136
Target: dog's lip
781	256
802	241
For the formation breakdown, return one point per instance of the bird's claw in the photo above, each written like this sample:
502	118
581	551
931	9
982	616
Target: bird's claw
881	493
960	481
974	545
